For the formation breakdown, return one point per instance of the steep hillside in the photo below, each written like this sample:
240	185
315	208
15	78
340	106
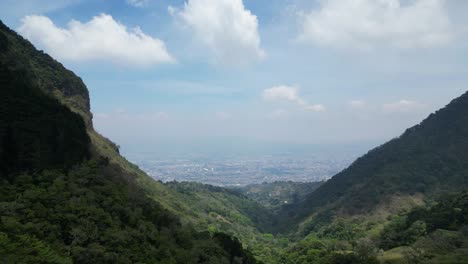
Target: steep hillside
433	233
43	72
50	77
66	195
428	159
36	131
223	207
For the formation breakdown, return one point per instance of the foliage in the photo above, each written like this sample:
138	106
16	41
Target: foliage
449	212
43	72
342	229
219	209
429	158
276	194
56	205
320	251
228	204
36	131
92	215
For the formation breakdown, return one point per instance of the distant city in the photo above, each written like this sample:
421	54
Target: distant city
239	170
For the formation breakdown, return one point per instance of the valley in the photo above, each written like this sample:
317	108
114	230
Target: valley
68	194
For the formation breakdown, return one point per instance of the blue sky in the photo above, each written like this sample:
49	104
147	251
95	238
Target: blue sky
274	71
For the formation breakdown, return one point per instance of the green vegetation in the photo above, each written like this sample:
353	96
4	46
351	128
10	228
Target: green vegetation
61	201
430	234
276	194
428	159
449	213
43	72
68	196
435	233
217	209
92	215
223	206
36	131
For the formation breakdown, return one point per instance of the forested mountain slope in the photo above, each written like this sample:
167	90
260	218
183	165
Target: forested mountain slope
68	196
36	132
427	159
44	72
63	198
274	195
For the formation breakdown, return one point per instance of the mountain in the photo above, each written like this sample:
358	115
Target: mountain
426	160
66	195
403	202
36	131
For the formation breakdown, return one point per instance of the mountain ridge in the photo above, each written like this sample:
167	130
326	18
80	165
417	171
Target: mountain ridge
96	209
58	208
428	158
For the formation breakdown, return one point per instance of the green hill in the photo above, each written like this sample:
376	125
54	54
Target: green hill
428	159
66	194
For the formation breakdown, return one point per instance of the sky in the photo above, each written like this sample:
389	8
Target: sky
271	71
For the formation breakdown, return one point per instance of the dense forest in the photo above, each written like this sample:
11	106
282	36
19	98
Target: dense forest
68	196
276	194
91	215
36	131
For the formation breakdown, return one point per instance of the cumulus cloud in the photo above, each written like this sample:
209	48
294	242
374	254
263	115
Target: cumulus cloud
291	94
364	24
226	27
138	3
100	39
402	106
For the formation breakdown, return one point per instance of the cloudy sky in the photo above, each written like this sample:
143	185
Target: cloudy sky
299	71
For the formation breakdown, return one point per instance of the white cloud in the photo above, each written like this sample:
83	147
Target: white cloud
226	27
138	3
102	38
290	93
403	106
364	24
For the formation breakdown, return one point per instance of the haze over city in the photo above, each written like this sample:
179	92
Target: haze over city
198	77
